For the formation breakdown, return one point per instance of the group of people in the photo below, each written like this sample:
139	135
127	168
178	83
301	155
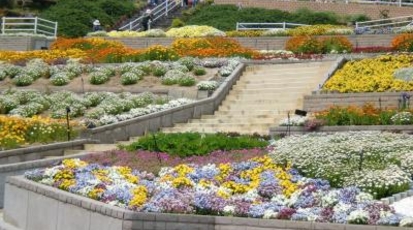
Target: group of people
146	21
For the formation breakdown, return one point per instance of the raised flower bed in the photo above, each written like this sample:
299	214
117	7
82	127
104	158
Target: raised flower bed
256	188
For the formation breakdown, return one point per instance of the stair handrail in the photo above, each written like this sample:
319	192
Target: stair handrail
34	25
158	12
266	25
396	22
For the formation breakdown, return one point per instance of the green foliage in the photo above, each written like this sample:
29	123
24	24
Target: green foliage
190	144
225	17
176	22
75	16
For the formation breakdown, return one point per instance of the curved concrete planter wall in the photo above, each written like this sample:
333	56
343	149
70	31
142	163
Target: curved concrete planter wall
33	206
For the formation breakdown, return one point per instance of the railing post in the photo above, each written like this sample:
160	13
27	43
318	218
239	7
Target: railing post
35	25
400	3
3	24
166	7
130	26
55	29
284	25
237	27
357	25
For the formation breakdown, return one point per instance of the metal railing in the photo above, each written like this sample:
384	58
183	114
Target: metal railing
378	2
388	24
266	26
34	25
158	12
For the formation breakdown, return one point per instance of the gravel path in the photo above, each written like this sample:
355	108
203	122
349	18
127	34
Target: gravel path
404	206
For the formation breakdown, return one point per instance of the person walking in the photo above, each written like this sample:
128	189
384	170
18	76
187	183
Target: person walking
96	25
147	19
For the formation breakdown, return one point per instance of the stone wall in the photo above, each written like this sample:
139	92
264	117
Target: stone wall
266	43
121	131
33	206
318	102
24	43
258	43
40	152
341	8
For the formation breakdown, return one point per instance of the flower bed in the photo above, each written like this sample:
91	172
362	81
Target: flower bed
255	188
378	163
184	72
376	74
16	132
208	31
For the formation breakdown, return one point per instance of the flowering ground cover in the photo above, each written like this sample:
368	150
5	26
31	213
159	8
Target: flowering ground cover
185	72
391	72
378	163
17	132
256	188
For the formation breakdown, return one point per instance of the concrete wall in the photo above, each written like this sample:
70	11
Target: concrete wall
340	8
40	152
18	161
266	43
318	102
282	130
258	43
23	43
32	206
153	122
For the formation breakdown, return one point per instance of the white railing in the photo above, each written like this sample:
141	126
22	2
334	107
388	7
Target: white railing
388	23
158	12
266	26
31	25
399	3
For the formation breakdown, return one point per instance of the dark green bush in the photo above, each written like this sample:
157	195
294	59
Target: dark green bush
75	17
225	17
190	144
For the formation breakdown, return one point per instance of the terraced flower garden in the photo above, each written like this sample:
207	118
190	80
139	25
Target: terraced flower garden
316	177
251	183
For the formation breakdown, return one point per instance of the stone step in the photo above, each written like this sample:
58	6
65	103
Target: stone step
270	94
251	112
230	100
68	152
281	75
271	85
297	90
261	131
240	116
100	147
244	120
274	80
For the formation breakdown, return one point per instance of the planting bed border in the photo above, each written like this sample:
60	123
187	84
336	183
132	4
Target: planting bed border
32	206
330	129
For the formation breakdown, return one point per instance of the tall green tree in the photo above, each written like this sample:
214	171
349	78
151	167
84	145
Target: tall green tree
75	17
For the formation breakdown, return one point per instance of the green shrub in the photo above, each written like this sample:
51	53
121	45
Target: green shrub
188	62
23	80
98	78
186	81
190	144
129	78
59	79
176	22
159	70
199	70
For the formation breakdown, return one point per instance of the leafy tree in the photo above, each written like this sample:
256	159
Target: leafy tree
75	17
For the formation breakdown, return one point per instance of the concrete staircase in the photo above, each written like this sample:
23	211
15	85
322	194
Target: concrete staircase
260	99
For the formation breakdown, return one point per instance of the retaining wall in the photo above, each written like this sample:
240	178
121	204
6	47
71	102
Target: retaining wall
283	130
32	206
265	43
259	43
153	122
17	161
318	102
24	43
